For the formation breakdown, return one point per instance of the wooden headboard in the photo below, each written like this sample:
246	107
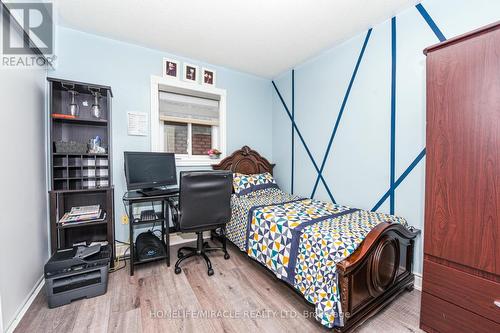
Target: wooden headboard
246	161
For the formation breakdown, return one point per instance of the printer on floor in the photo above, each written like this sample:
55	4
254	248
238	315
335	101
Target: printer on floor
76	273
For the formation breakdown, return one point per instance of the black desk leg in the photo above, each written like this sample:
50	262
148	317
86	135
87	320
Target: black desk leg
131	235
165	231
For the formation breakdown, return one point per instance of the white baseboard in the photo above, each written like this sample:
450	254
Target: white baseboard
418	281
25	306
179	238
120	249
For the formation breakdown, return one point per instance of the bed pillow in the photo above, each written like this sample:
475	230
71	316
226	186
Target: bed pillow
244	184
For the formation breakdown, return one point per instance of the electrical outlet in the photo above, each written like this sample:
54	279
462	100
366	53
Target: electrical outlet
124	219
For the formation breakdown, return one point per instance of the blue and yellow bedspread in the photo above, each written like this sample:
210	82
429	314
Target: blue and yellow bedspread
301	241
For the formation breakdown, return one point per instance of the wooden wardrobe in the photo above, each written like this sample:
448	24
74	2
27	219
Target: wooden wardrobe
461	278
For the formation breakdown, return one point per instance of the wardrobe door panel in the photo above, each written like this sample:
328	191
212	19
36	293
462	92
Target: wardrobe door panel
463	153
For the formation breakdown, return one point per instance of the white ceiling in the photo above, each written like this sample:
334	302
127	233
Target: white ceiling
262	37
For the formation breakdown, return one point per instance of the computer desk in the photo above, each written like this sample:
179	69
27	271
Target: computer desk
132	198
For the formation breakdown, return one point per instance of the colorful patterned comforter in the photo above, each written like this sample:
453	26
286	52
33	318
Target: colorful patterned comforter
301	241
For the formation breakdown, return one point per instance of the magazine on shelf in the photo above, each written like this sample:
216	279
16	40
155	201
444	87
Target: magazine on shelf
84	210
86	218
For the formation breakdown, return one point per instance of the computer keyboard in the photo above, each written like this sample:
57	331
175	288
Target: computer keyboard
159	192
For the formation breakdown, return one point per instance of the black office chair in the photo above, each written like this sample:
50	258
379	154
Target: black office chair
204	205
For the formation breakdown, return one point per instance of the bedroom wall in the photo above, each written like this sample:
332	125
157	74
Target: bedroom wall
127	68
357	170
24	235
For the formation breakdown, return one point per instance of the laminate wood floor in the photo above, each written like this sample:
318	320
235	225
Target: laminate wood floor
242	296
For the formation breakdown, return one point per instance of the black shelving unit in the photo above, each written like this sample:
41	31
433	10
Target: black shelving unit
132	198
64	236
80	178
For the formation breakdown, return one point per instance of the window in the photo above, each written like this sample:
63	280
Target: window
175	136
190	121
181	138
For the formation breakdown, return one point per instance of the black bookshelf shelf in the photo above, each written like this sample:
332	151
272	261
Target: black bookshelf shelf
80	225
82	178
80	166
78	154
82	121
83	190
71	183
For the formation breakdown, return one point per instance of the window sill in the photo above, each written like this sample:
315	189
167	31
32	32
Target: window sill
193	162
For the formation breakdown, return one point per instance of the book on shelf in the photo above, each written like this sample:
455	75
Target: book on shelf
84	218
84	210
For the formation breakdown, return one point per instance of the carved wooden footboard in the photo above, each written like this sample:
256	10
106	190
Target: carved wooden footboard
379	270
370	278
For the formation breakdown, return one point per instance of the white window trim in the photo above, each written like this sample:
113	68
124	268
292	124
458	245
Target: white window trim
186	87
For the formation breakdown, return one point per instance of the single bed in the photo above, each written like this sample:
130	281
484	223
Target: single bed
348	263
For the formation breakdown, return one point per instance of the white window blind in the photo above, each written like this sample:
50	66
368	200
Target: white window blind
188	109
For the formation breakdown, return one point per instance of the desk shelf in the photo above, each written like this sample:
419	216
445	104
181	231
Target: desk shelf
145	261
140	222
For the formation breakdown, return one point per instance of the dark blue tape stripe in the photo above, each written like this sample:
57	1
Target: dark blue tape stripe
303	142
293	129
294	245
344	102
400	179
393	115
430	22
252	210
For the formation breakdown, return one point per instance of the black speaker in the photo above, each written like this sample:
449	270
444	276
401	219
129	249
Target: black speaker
148	246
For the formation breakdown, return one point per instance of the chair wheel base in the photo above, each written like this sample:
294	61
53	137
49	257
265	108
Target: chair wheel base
210	272
226	256
178	270
180	255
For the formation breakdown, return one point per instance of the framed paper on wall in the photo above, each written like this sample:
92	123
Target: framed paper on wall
208	77
171	68
190	73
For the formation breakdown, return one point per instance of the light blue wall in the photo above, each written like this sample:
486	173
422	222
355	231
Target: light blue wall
358	168
127	69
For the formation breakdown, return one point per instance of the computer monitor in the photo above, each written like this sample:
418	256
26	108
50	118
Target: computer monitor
147	170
